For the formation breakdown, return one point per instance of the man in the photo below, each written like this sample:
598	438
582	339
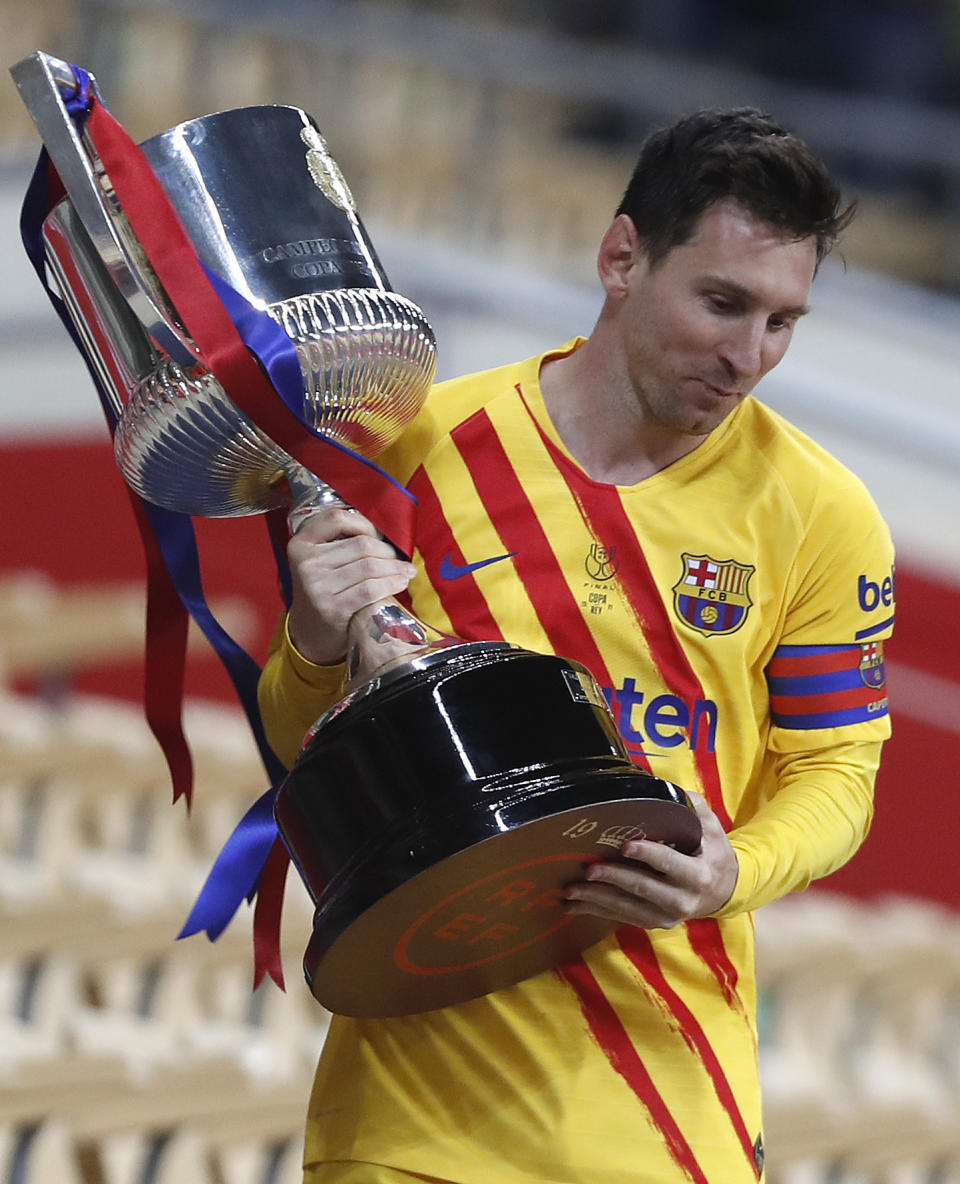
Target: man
652	519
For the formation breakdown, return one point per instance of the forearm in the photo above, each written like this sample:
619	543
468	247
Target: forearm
817	819
292	693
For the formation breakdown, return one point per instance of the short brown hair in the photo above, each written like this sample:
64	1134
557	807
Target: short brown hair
737	153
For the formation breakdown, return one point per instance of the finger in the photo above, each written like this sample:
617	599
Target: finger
331	586
702	809
320	557
332	522
638	882
657	856
340	591
364	593
602	901
664	858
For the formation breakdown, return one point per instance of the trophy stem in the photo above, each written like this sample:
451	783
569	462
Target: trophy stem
385	635
308	496
380	636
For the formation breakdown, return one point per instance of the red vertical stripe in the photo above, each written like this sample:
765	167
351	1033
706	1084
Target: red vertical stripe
516	522
636	944
731	578
604	514
610	1034
607	519
707	943
462	600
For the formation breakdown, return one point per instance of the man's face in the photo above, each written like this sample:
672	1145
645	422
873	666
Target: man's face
702	327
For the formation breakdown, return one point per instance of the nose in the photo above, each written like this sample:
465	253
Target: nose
744	351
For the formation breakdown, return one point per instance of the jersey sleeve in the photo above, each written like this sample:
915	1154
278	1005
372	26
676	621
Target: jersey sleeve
816	819
828	707
826	678
293	693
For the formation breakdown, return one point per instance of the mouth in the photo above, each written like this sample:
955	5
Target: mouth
719	392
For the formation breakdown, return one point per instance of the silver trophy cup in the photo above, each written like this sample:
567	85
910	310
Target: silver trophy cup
438	809
268	210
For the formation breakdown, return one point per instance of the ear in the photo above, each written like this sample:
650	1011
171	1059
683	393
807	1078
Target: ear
620	250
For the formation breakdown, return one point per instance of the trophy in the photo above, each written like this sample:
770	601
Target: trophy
438	809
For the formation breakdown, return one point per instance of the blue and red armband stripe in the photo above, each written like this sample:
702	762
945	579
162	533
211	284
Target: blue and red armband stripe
826	686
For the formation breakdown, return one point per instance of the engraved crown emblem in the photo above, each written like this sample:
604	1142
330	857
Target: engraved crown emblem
325	171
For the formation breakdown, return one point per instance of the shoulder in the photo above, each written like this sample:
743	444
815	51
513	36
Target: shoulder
449	404
820	517
795	467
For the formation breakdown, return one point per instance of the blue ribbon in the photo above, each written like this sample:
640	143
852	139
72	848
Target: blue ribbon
236	873
265	339
78	103
178	545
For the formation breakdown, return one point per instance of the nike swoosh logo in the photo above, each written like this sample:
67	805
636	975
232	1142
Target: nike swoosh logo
453	571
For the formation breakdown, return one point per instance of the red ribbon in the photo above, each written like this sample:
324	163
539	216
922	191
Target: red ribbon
266	917
165	661
167	620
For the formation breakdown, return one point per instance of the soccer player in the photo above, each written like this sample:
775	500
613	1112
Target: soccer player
624	500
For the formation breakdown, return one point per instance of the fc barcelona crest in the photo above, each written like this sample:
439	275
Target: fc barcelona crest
872	669
712	595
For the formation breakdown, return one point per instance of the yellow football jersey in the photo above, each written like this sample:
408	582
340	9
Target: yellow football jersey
733	608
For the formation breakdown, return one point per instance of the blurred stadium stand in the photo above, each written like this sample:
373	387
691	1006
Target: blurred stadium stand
487	145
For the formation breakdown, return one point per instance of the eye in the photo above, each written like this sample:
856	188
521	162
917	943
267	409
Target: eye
721	304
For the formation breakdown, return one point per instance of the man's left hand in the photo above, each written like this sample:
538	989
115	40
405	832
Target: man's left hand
656	887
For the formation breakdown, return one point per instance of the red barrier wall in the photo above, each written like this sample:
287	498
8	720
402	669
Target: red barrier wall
67	515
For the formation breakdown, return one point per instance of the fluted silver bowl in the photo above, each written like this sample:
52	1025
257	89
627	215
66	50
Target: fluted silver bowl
367	357
266	208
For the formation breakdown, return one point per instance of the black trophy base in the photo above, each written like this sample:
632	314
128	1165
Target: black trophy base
437	822
482	918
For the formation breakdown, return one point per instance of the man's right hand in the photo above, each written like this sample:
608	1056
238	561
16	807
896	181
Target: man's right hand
339	565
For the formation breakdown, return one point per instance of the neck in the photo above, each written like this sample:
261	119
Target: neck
597	415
